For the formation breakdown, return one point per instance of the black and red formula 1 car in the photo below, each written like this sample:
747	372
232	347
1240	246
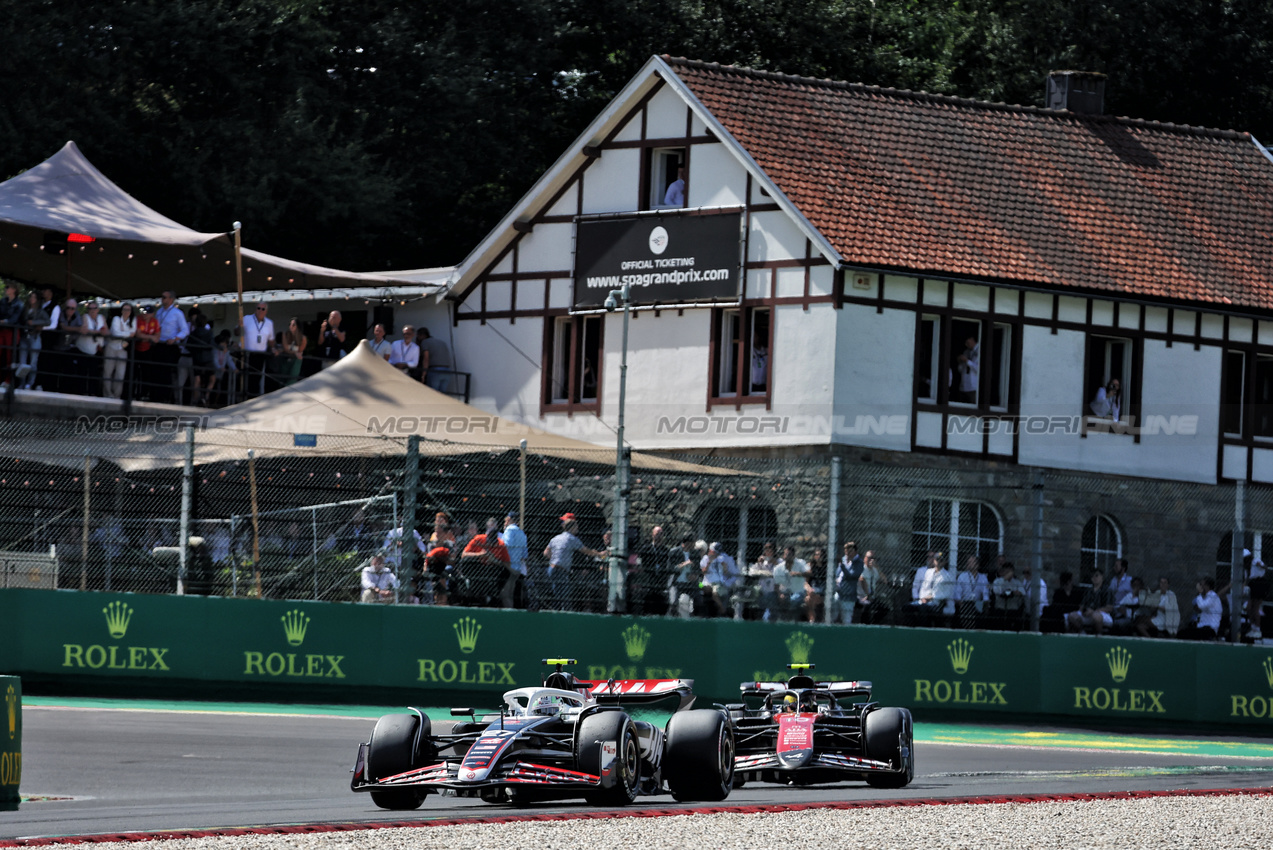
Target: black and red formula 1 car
801	732
564	738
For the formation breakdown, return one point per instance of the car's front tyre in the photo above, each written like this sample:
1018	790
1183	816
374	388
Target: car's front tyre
392	751
596	734
889	736
699	760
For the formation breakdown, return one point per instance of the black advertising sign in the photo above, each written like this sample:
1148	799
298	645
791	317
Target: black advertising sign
666	259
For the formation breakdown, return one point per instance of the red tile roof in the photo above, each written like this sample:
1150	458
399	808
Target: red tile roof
946	186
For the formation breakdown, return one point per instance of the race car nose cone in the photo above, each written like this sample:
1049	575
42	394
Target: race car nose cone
795	758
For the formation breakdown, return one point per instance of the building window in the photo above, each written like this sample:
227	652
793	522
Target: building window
742	532
963	362
1246	395
1109	377
740	353
666	166
958	528
573	354
1233	394
1101	546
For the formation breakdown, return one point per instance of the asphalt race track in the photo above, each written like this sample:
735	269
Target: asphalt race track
92	770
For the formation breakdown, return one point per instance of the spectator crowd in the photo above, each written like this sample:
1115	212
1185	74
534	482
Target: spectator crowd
695	578
159	352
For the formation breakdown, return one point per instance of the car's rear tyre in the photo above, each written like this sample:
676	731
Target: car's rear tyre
393	751
698	763
889	737
616	729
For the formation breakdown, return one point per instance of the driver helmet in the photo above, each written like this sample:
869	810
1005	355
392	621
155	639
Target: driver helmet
789	702
546	704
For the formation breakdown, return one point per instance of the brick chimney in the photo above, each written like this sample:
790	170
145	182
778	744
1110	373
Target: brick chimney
1081	92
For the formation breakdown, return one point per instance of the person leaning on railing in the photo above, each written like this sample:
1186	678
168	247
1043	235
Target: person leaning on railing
115	357
10	319
33	321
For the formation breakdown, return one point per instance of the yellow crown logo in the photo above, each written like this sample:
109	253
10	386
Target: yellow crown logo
11	702
118	615
635	640
466	629
295	624
1268	669
960	652
799	645
1119	661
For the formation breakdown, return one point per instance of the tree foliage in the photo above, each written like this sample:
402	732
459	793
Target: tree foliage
380	134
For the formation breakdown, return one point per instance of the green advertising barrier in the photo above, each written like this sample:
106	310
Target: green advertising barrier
436	655
11	743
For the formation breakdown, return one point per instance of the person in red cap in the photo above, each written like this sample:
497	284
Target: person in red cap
560	553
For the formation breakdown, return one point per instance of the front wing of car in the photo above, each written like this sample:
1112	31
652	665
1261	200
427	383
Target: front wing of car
450	776
857	766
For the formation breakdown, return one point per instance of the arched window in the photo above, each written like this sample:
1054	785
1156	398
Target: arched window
741	531
957	528
1102	544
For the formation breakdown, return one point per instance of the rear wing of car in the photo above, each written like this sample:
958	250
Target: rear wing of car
619	691
839	690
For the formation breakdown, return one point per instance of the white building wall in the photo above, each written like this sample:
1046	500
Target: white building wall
504	381
1178	382
874	376
716	179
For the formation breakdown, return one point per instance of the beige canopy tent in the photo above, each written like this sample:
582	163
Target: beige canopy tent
119	248
358	407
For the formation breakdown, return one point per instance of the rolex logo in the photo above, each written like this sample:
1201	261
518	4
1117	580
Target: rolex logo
960	652
635	640
1119	660
295	624
799	645
118	616
466	630
1268	669
11	703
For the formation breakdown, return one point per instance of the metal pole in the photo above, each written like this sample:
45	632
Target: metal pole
183	534
234	555
88	472
256	525
833	541
1236	572
619	535
410	487
1036	556
521	499
313	524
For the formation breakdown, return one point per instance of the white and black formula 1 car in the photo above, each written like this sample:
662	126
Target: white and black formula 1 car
800	732
565	738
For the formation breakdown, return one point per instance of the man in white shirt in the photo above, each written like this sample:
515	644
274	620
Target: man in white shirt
258	343
675	194
378	581
1207	611
936	593
404	354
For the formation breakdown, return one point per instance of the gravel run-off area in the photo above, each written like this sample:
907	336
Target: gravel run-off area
1156	823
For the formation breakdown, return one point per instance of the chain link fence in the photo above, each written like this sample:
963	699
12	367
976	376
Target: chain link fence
94	511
